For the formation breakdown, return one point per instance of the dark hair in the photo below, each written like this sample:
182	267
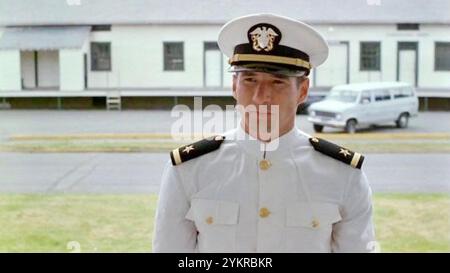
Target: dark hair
300	80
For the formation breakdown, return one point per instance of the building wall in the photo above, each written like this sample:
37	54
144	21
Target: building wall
48	69
137	56
10	70
72	68
389	36
428	77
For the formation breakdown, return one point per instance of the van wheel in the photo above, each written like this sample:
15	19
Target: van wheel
402	121
350	127
318	128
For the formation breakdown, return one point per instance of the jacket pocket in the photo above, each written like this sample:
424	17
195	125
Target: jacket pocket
216	222
312	215
309	226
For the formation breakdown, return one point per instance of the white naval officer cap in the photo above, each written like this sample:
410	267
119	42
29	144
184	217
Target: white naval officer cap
272	43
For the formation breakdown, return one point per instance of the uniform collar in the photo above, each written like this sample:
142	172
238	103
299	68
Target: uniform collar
279	147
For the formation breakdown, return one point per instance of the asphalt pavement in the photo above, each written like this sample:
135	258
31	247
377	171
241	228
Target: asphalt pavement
20	122
141	172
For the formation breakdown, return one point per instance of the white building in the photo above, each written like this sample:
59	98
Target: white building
61	48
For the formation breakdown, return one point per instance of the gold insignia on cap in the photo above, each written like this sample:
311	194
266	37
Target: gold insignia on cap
344	152
263	38
188	149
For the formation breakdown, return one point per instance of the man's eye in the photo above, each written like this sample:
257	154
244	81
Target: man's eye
249	80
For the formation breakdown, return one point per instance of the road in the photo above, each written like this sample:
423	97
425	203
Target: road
95	121
141	172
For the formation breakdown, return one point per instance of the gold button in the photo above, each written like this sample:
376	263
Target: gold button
264	164
209	220
315	223
315	140
218	138
264	212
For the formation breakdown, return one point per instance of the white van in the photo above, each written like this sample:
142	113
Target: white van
359	105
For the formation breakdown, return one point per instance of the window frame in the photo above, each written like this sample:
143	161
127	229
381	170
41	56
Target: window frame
386	95
101	28
166	65
96	68
362	58
436	68
408	26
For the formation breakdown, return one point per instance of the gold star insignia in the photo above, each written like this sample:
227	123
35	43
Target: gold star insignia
344	152
188	149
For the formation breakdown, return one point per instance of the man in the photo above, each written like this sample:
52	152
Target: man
271	190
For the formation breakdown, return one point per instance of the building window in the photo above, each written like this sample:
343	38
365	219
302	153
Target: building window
101	28
442	56
370	56
173	56
101	56
407	26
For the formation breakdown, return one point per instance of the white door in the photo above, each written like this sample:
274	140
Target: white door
213	65
407	70
48	69
407	62
334	70
28	69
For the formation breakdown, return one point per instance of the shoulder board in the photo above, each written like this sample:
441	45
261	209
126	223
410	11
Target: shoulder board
196	149
337	152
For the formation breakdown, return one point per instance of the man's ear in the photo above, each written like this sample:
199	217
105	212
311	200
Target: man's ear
303	91
234	86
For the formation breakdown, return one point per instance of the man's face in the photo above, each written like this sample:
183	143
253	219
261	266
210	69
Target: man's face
255	89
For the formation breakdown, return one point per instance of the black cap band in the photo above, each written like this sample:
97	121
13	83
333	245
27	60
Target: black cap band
279	50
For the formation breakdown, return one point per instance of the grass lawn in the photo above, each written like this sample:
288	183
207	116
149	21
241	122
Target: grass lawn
123	223
163	142
164	146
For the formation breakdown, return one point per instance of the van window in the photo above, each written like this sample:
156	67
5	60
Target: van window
343	95
407	91
403	92
382	95
366	96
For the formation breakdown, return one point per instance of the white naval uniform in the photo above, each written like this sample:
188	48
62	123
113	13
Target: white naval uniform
224	202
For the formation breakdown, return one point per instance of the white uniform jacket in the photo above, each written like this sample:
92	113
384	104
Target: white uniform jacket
223	201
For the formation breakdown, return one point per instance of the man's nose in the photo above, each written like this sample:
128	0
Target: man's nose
262	94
